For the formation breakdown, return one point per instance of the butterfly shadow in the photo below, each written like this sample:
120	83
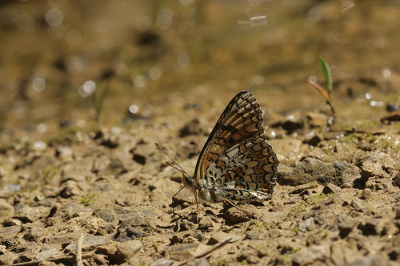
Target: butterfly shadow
240	212
181	203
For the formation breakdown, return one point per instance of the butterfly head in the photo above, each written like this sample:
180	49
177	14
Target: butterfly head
187	179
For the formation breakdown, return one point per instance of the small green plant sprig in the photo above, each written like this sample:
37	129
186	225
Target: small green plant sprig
98	97
327	94
97	103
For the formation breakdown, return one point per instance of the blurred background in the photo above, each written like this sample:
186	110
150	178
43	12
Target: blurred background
153	65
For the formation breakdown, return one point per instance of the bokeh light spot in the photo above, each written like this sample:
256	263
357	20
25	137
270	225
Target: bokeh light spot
134	109
313	79
155	73
41	128
143	23
140	81
386	73
39	84
80	123
164	18
54	17
267	38
89	86
39	145
183	60
334	70
121	69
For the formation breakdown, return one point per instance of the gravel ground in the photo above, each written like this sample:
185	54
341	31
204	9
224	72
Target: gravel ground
115	188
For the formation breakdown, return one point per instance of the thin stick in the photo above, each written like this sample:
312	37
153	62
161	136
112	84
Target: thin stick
62	259
207	252
79	244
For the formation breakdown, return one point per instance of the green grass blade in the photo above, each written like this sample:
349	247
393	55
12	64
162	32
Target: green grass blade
327	73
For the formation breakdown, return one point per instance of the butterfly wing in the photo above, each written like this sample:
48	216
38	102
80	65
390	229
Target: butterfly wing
241	120
247	171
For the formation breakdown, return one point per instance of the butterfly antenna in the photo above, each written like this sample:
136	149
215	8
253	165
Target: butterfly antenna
180	168
173	166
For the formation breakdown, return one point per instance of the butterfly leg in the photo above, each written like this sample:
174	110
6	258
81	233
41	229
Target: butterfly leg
196	196
236	207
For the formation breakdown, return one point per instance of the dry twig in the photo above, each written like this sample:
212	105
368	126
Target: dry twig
206	253
79	244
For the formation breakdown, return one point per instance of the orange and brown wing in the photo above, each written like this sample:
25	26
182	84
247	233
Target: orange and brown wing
242	119
247	171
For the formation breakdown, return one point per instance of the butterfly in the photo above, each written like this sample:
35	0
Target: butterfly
236	163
